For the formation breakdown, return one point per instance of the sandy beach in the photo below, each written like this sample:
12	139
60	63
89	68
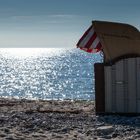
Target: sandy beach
62	120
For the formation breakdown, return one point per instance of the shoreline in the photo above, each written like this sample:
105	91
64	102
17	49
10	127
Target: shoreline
48	105
60	120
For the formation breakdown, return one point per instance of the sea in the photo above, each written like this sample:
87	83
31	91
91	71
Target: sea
47	73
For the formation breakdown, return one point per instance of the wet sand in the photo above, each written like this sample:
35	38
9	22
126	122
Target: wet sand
62	120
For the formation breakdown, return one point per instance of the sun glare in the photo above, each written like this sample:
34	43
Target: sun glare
26	52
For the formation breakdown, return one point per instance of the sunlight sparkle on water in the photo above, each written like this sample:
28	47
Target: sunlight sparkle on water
46	73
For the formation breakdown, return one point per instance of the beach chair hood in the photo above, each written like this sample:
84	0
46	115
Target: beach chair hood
117	39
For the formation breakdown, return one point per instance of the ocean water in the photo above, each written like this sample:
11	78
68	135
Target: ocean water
47	73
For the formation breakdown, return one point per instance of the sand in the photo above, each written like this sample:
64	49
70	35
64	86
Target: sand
22	119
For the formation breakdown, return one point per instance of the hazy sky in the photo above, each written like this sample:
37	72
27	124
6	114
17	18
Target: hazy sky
58	23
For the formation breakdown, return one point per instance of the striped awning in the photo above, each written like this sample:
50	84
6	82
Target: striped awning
90	42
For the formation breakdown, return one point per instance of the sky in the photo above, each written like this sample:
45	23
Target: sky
59	23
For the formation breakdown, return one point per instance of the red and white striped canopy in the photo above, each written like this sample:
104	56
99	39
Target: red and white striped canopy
90	42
